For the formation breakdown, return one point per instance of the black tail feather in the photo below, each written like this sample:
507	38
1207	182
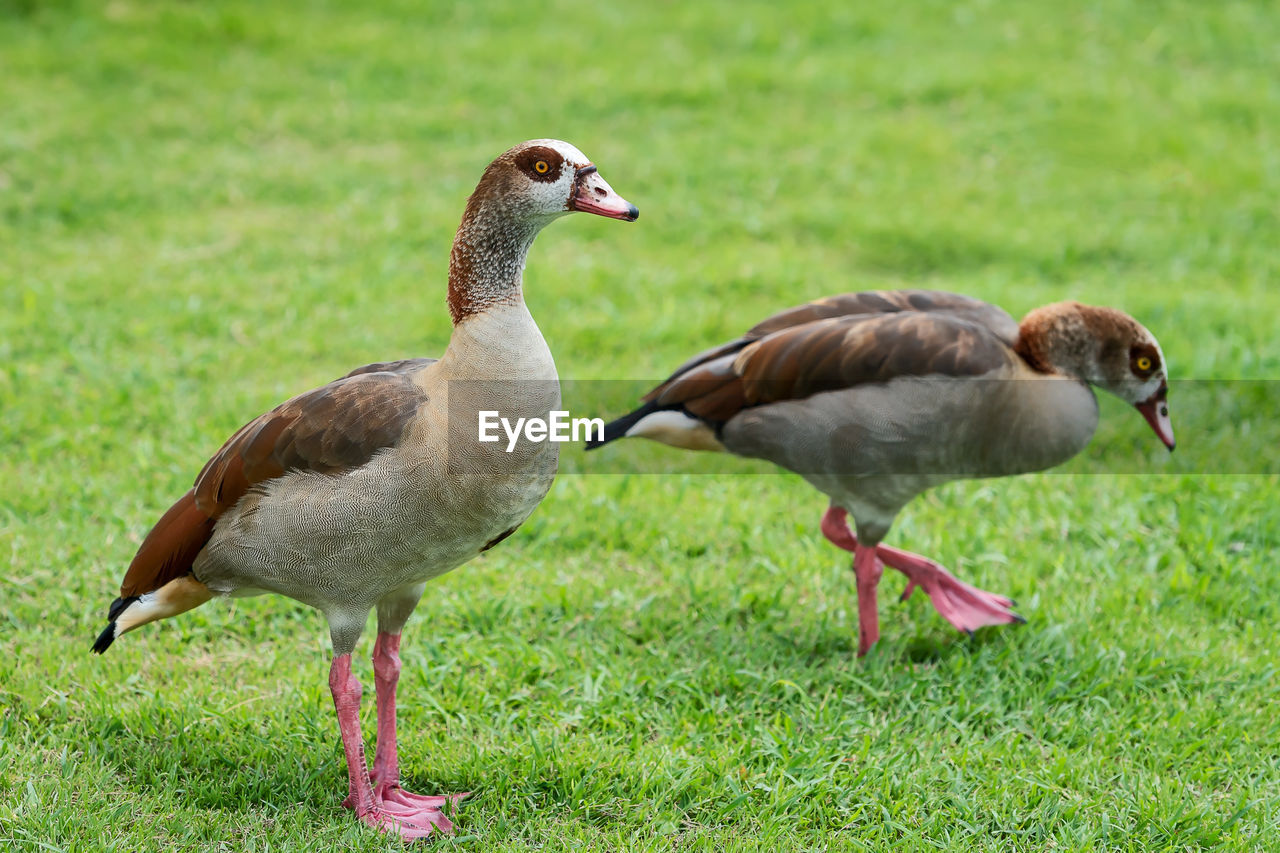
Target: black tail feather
108	635
618	428
118	606
106	638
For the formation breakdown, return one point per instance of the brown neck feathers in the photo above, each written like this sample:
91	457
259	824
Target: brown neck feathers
487	261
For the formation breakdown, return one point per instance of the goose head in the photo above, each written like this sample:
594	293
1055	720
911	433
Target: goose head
541	180
1106	348
522	191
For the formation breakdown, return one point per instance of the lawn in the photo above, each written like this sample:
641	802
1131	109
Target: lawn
208	207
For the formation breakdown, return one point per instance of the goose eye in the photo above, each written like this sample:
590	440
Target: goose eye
1143	363
541	167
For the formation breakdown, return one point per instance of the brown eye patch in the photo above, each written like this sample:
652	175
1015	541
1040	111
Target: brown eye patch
1144	360
540	164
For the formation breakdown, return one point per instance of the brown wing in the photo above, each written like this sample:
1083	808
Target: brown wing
332	429
865	303
829	354
169	549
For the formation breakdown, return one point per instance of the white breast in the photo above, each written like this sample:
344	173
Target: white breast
502	343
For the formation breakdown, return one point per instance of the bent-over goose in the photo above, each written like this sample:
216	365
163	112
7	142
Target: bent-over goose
351	497
875	397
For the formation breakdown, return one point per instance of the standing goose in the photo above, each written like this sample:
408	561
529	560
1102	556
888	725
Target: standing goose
351	497
875	397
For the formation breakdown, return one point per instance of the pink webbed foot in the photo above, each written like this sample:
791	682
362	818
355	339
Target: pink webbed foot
416	815
419	809
393	824
966	607
396	795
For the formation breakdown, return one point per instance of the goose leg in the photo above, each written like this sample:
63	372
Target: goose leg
868	569
360	797
385	777
966	607
835	526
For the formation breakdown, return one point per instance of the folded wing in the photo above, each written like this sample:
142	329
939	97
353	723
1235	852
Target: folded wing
330	430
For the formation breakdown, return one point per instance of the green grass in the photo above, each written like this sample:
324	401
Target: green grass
206	207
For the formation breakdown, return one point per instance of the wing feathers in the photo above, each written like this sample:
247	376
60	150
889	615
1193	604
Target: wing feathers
169	548
332	429
841	342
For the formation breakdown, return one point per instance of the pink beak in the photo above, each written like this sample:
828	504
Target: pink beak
1156	411
591	194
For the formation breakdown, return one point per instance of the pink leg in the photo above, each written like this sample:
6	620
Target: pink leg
836	528
386	674
966	607
386	761
868	569
360	797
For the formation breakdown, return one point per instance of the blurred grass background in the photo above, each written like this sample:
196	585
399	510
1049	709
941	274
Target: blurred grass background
207	207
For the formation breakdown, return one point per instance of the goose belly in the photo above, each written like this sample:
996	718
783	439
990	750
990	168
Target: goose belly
335	542
881	445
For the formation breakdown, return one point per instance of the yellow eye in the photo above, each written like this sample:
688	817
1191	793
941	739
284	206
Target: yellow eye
1143	363
541	167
